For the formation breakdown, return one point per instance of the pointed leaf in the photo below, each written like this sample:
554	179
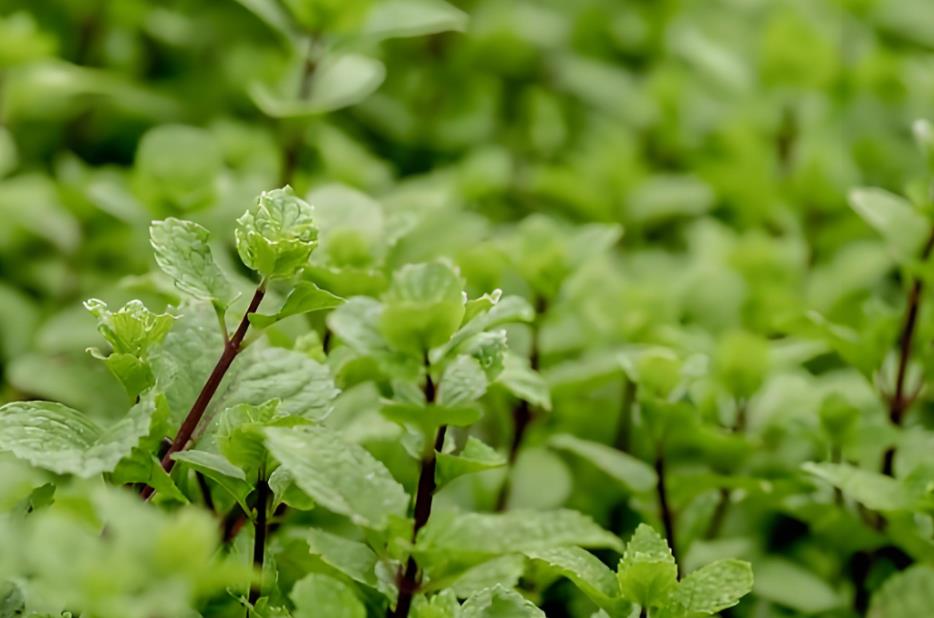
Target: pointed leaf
305	297
901	226
499	602
408	18
710	589
632	473
183	253
647	573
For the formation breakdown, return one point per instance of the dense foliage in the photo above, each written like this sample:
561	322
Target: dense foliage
513	308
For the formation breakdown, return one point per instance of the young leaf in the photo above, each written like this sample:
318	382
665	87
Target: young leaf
305	297
57	438
519	379
463	382
593	577
408	18
338	475
133	328
474	457
423	306
901	226
710	589
276	237
499	602
183	253
486	534
317	594
632	473
647	573
215	467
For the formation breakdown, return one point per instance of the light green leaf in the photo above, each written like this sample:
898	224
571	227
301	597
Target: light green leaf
133	328
489	534
423	306
632	473
710	589
352	558
463	382
474	457
57	438
647	573
874	490
909	594
408	18
182	252
317	595
503	570
240	436
901	226
785	583
305	297
430	417
217	468
593	577
356	323
507	311
276	237
443	605
499	602
339	81
338	475
176	167
520	380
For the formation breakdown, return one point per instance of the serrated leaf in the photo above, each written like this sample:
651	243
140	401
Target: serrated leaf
900	225
423	306
463	382
509	310
340	476
443	605
499	602
593	577
341	80
277	235
408	18
503	570
647	573
133	328
356	323
317	595
874	490
710	589
62	440
474	457
909	594
489	534
305	297
632	473
183	253
520	380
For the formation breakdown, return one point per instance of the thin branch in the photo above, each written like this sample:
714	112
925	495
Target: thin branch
664	508
409	577
293	146
260	529
627	410
198	408
899	402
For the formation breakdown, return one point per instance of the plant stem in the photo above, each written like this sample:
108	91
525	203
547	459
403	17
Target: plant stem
259	534
723	501
664	508
644	612
293	146
899	402
198	408
522	414
409	576
205	491
624	426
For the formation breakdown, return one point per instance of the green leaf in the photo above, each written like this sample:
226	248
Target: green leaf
352	558
442	605
317	595
430	417
710	589
141	466
276	237
520	380
902	227
356	323
593	577
340	476
423	306
341	80
240	436
305	297
874	490
503	570
217	468
62	440
474	457
499	602
508	310
176	167
490	534
634	474
647	573
183	253
408	18
785	583
463	382
285	490
909	594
